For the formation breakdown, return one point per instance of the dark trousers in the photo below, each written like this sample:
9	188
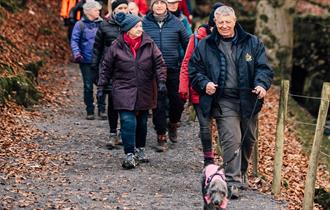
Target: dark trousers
205	131
89	76
112	115
133	129
176	105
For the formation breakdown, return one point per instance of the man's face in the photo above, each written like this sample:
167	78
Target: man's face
121	8
159	7
93	13
136	31
173	6
225	25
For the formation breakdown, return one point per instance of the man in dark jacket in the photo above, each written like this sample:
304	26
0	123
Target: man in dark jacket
105	35
168	33
229	69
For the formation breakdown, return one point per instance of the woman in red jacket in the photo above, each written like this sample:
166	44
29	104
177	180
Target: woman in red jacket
186	91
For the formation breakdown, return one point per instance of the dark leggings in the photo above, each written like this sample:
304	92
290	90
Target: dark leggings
205	132
112	115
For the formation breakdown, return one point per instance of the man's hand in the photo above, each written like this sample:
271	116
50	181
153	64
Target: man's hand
260	92
210	88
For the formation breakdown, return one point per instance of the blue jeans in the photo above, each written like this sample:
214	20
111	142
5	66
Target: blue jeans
133	129
89	77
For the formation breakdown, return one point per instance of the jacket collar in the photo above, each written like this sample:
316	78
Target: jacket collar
86	20
145	39
151	17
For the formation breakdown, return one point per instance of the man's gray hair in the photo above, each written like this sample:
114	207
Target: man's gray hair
224	11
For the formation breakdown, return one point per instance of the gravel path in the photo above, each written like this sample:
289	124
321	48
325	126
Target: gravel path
93	178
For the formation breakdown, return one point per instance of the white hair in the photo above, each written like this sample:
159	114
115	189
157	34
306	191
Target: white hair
224	11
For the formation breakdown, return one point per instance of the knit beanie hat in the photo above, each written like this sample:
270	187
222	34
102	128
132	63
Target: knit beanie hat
91	4
126	21
116	3
211	18
154	1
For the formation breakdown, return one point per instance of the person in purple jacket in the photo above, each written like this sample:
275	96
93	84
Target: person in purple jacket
136	67
82	41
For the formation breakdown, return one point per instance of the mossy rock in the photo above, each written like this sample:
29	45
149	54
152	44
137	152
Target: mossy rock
20	88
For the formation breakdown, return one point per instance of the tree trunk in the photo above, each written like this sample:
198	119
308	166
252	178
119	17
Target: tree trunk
274	25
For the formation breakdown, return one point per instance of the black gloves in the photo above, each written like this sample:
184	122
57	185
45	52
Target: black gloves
162	90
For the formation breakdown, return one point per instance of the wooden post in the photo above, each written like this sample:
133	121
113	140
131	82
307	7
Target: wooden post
278	159
314	156
255	156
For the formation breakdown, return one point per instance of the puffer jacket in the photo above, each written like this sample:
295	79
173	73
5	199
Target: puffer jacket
83	37
185	88
208	64
168	37
134	80
107	32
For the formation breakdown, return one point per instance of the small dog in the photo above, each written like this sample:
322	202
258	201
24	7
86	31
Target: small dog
214	188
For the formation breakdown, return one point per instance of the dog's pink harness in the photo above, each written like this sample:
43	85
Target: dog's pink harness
212	172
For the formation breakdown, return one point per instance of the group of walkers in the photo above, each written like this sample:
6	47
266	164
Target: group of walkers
151	60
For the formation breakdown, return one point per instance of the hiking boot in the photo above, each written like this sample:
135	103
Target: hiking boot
130	161
172	132
90	117
113	140
161	143
233	192
102	115
141	156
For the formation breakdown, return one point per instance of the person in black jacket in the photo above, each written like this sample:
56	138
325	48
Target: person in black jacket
230	71
105	35
168	33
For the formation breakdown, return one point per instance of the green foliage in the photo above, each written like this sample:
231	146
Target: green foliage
305	132
12	5
311	57
322	197
6	68
20	88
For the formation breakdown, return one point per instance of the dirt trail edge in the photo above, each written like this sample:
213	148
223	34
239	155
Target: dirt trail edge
92	176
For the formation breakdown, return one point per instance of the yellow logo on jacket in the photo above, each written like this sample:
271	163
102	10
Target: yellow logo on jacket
248	57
